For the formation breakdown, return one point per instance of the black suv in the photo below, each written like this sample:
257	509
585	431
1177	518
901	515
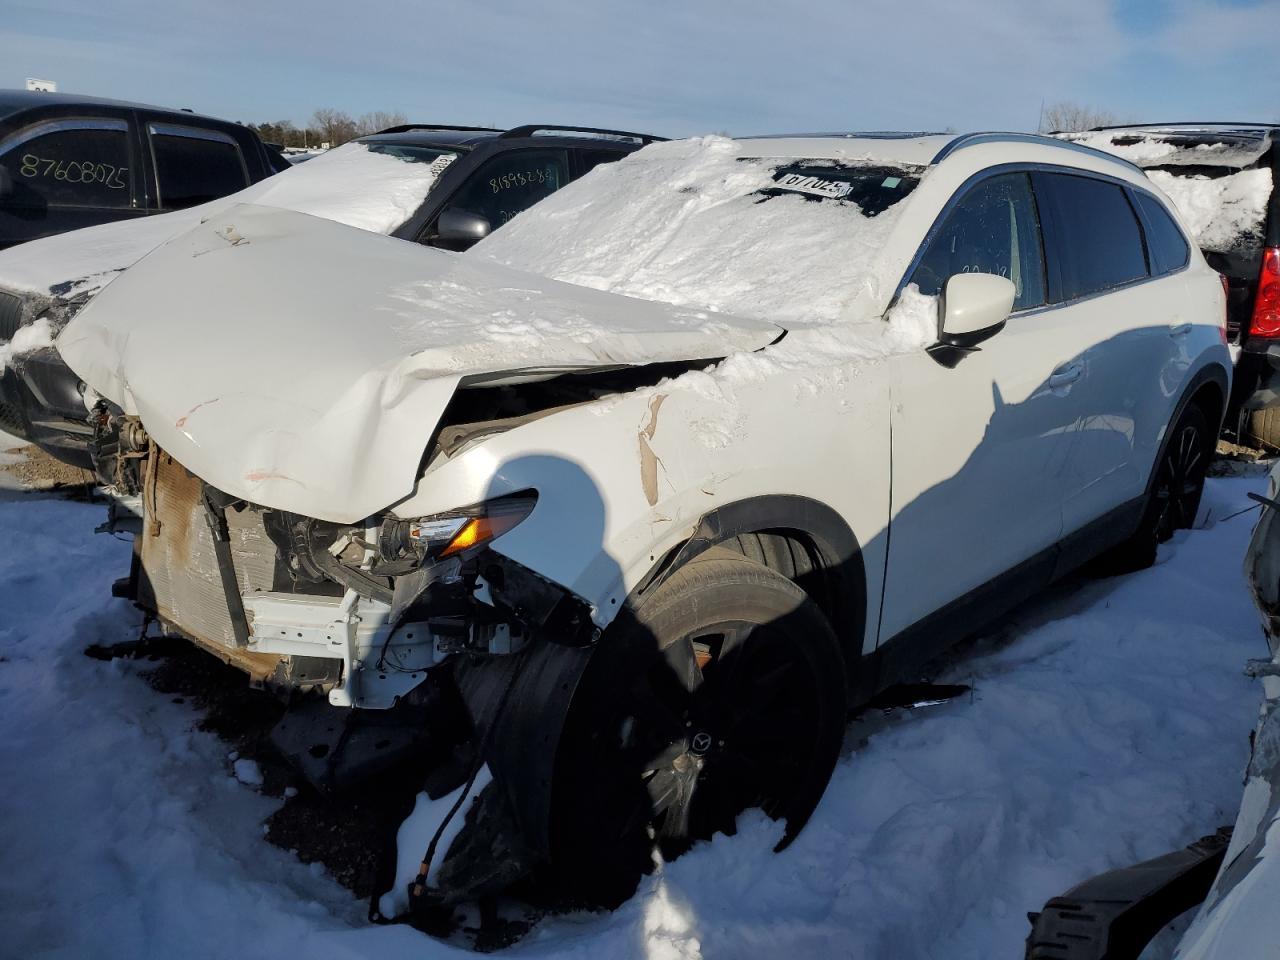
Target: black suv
69	161
491	175
1248	258
485	177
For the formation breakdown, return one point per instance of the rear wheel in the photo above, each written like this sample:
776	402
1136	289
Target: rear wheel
1175	494
724	691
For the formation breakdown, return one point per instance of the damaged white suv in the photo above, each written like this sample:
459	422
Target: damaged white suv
634	501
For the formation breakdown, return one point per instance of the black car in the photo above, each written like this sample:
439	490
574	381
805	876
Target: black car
494	174
68	161
1249	258
484	177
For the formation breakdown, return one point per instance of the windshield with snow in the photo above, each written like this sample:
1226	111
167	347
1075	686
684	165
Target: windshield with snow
694	223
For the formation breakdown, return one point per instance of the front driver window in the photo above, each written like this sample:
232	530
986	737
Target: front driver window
512	182
993	229
71	163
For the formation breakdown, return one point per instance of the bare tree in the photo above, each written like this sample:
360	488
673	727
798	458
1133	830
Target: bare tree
1068	117
379	120
333	126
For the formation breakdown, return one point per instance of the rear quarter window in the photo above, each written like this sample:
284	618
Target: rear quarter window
1093	233
1169	248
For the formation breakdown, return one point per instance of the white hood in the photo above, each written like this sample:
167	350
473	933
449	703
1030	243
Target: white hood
302	364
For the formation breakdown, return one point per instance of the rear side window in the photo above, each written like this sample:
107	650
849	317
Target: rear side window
1093	234
1168	247
994	228
512	182
75	163
195	166
590	159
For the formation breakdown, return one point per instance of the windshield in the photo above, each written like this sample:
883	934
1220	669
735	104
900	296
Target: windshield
415	154
696	224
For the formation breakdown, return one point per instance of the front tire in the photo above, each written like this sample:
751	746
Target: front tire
721	691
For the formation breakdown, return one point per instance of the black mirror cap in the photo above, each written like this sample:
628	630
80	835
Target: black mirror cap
458	225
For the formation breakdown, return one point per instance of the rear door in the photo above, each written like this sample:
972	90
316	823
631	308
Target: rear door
69	172
192	164
980	447
1128	330
587	159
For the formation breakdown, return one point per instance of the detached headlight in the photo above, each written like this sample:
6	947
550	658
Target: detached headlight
410	543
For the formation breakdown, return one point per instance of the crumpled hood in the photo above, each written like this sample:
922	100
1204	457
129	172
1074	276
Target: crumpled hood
302	364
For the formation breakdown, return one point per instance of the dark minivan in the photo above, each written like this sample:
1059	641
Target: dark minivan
68	161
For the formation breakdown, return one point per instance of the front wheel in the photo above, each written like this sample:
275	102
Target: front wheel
723	690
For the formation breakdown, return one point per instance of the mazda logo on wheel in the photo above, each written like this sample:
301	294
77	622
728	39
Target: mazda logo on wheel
701	742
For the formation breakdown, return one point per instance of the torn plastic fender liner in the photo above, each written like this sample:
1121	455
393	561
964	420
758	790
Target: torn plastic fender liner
526	732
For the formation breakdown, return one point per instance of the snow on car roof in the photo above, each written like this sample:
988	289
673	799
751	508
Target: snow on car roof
350	184
1172	147
912	149
705	223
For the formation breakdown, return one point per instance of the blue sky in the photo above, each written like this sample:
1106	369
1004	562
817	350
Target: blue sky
668	66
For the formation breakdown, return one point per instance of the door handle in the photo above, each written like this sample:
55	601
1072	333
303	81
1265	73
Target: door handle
1065	376
1179	329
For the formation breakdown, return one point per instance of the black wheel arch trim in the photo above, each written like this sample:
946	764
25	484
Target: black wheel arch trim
835	549
1210	373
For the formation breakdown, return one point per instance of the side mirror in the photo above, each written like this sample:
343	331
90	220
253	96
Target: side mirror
975	307
461	226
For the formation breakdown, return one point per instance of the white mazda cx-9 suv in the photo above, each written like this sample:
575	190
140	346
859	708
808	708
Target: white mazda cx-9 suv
629	505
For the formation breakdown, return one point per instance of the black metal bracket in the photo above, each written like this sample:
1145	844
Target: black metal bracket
1114	915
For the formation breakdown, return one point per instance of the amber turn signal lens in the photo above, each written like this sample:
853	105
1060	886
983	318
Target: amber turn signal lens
480	530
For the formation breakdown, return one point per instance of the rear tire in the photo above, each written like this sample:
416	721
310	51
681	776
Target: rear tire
1262	428
721	691
1176	489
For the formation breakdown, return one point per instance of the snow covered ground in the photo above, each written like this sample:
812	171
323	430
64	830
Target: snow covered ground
1108	723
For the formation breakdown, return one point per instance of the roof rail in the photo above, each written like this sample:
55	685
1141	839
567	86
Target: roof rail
1187	124
406	127
848	135
530	129
973	139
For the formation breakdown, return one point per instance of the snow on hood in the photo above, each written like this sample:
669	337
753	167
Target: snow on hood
301	364
350	184
1220	212
686	222
28	339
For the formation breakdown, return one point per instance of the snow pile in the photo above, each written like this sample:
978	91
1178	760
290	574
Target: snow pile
32	337
1109	723
684	222
350	184
1221	212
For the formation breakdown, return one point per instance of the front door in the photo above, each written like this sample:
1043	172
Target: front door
980	450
